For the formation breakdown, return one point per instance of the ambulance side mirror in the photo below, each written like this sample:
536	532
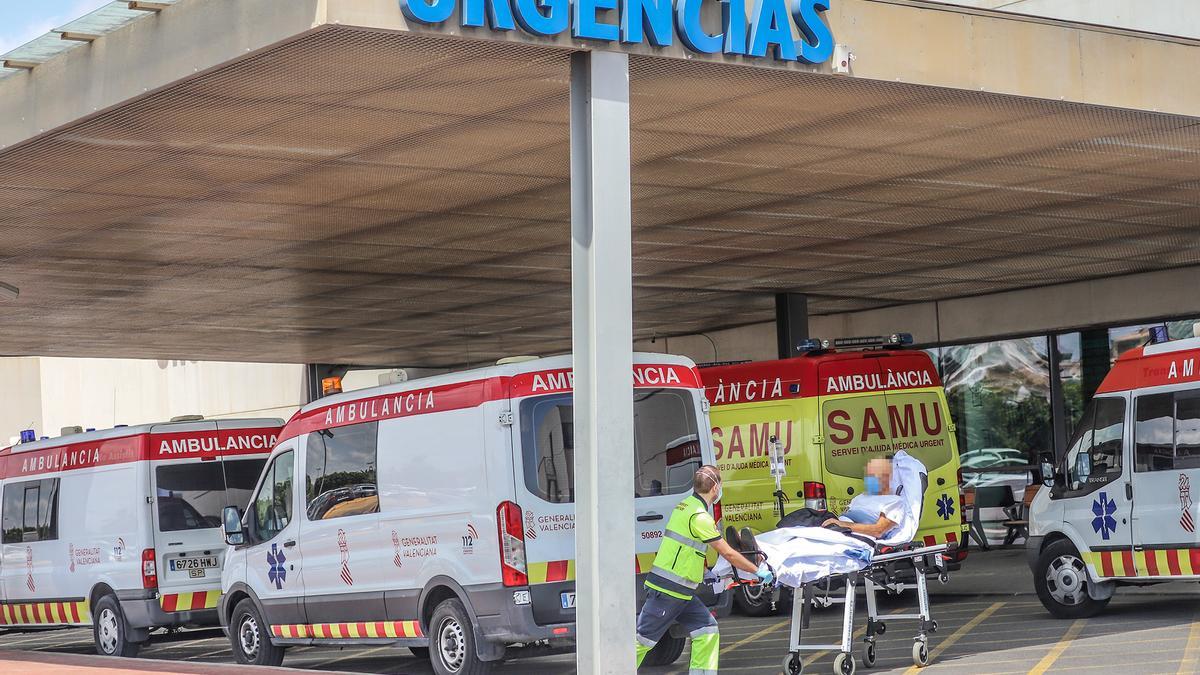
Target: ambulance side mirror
1047	470
234	536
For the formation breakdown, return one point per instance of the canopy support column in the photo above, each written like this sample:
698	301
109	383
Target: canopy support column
602	342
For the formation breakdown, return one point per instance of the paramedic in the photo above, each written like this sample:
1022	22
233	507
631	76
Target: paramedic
876	512
679	568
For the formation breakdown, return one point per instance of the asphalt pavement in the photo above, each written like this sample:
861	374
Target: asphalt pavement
989	622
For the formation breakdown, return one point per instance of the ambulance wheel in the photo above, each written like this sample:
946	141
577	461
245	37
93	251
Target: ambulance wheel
754	600
843	664
248	635
868	655
1061	578
792	665
666	652
920	654
420	652
452	641
110	630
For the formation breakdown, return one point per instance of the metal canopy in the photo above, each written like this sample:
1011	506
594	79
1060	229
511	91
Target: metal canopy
364	196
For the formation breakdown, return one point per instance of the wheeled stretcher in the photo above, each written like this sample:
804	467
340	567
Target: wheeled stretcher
890	571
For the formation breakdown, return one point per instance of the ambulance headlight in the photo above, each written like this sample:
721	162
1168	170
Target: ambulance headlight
521	598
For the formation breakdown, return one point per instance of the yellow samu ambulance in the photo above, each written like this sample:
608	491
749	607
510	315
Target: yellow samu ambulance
839	405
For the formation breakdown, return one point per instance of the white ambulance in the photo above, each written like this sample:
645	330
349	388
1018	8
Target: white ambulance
121	529
438	513
1120	507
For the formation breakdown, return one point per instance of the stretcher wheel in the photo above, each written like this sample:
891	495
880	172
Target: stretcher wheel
868	655
792	665
880	628
933	625
843	664
920	653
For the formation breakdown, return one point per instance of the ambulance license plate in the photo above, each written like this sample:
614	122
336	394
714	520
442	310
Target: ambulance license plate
189	564
568	600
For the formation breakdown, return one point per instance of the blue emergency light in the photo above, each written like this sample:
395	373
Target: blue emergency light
28	436
1158	334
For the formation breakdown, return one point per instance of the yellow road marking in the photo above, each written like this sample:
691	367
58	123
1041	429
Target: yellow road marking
751	638
1191	653
1059	647
958	634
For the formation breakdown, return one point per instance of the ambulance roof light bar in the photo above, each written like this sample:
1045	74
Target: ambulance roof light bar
815	345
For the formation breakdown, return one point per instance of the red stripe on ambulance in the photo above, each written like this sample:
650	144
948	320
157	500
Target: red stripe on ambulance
462	395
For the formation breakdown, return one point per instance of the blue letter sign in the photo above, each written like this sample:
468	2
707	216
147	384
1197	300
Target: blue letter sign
767	32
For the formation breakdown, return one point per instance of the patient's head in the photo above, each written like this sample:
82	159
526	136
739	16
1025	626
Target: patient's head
878	477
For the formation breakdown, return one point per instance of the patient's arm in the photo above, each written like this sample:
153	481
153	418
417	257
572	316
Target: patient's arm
874	530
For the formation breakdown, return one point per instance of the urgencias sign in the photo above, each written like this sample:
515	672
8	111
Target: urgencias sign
766	30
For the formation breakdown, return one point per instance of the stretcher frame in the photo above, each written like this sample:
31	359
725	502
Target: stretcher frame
880	574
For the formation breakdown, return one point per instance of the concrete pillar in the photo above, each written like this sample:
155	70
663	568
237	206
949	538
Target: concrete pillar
602	347
791	322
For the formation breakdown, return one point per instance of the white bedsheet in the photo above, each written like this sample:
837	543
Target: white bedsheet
803	554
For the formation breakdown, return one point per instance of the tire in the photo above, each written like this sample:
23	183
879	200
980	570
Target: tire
754	601
249	638
110	631
868	655
666	652
1060	578
843	664
920	653
452	641
420	652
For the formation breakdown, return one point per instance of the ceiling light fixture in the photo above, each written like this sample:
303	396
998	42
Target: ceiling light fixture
8	292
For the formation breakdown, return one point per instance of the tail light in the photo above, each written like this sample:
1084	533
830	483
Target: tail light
717	513
149	569
512	544
814	495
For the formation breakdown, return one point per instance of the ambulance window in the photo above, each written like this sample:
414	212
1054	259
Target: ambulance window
1108	436
1187	432
340	472
273	506
667	449
30	511
1094	455
1152	434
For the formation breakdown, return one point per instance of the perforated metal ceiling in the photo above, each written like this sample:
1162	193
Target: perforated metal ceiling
358	196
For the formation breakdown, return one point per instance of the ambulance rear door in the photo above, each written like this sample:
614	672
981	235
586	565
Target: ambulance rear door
918	422
196	470
854	420
668	450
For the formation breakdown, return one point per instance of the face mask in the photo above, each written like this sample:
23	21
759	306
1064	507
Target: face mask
873	486
720	493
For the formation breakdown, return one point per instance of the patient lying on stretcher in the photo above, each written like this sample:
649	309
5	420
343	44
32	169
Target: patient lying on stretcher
878	512
812	544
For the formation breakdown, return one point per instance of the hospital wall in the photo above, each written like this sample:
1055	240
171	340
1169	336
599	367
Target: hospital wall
46	394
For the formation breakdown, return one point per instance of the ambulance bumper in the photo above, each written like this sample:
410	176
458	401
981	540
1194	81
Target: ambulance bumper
143	612
1033	548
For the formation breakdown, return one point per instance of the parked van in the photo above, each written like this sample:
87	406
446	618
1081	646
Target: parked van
438	514
1119	507
839	405
121	529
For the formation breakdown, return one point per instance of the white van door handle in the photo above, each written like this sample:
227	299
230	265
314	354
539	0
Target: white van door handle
289	543
649	517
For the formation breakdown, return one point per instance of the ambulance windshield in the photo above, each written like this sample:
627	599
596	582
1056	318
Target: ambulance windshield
191	496
666	444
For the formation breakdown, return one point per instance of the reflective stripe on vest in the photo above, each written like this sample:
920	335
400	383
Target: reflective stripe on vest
687	541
